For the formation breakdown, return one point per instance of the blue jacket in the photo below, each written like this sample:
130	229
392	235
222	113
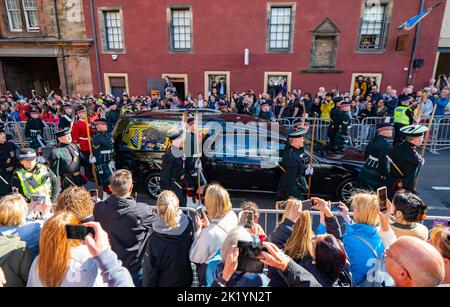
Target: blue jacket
441	104
358	252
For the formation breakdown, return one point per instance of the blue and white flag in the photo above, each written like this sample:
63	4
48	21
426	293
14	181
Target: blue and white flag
411	23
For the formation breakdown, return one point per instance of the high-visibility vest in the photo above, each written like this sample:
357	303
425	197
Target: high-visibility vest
42	178
400	116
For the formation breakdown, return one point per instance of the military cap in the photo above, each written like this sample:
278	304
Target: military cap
111	103
100	121
2	128
66	105
414	130
34	110
264	103
404	99
79	108
345	103
384	126
175	134
27	154
63	132
299	133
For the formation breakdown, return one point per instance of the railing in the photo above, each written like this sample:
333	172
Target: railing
362	131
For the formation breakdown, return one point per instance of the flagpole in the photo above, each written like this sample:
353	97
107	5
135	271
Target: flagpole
414	51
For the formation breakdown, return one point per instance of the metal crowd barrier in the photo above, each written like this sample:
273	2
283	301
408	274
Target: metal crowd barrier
49	133
362	131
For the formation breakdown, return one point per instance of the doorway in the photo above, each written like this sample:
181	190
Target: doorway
180	82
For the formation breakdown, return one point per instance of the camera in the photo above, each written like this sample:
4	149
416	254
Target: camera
249	257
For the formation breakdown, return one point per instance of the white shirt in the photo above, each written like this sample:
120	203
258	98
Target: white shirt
82	271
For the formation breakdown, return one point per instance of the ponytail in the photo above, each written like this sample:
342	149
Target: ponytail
168	207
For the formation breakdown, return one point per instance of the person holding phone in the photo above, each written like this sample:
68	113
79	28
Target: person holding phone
63	262
33	178
166	261
293	182
376	166
229	272
8	161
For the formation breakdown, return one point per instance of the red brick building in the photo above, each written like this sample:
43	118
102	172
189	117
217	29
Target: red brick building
311	43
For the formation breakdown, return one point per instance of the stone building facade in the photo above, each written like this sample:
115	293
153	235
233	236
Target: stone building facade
43	46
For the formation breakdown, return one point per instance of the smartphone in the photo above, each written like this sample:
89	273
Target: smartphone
94	194
37	199
335	207
382	198
307	204
248	218
15	190
249	255
280	205
200	211
78	232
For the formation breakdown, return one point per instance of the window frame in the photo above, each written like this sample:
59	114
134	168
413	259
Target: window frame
319	33
107	82
293	7
388	4
19	10
226	74
26	14
103	33
171	28
287	74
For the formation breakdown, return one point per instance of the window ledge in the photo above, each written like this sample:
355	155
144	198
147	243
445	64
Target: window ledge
323	70
376	51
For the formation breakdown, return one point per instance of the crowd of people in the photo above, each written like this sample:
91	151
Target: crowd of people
134	245
129	244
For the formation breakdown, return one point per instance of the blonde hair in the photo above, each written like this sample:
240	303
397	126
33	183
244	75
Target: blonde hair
287	205
168	207
439	237
300	243
366	209
217	201
13	210
55	249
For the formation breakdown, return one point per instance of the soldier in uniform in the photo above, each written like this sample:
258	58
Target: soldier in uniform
65	160
33	178
34	132
332	127
173	166
293	182
112	116
376	167
80	137
342	122
193	147
102	147
406	160
8	161
403	116
66	118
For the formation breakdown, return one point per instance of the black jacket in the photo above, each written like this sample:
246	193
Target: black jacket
166	258
128	223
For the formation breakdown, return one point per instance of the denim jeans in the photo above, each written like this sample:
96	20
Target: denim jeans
137	277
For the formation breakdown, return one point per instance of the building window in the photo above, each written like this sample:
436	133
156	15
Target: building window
181	29
373	26
31	15
277	82
219	80
14	16
280	28
324	45
113	30
116	84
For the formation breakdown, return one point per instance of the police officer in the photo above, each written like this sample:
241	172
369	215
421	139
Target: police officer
173	166
406	160
376	167
34	132
342	122
8	161
292	182
403	116
33	178
65	160
102	147
66	118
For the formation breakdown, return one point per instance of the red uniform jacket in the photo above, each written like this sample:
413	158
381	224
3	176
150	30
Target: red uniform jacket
79	135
